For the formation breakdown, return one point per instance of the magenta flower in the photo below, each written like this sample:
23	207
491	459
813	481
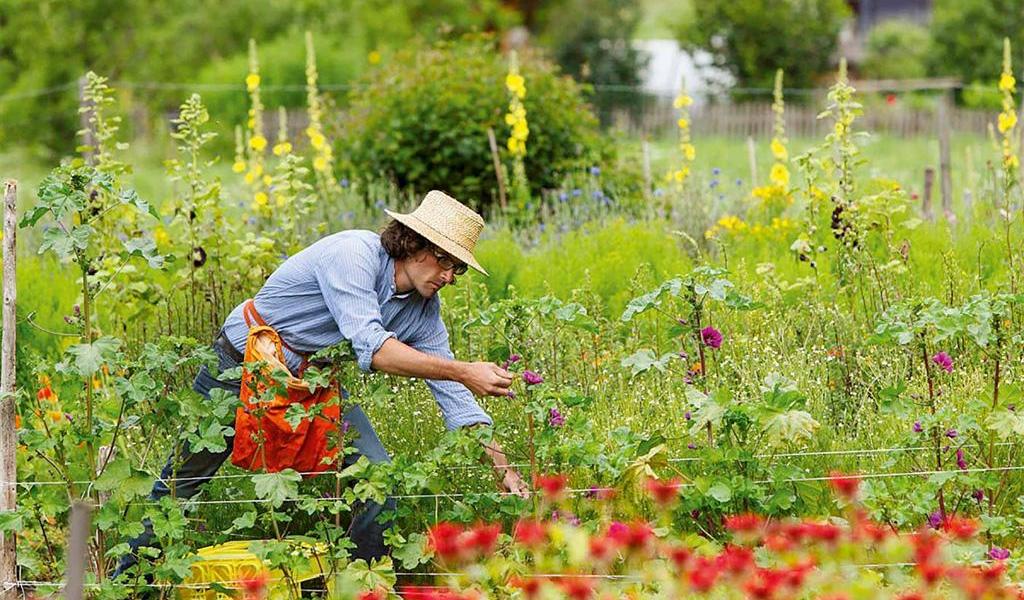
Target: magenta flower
978	494
711	337
917	427
531	378
960	462
514	358
555	418
997	553
935	520
952	434
944	361
687	415
512	394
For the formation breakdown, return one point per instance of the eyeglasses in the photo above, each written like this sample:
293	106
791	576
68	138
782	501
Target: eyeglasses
445	261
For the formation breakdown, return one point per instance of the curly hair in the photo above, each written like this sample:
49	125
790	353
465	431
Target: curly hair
401	242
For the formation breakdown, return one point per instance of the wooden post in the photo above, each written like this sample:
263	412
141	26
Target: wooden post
78	550
752	157
926	200
8	435
498	173
945	169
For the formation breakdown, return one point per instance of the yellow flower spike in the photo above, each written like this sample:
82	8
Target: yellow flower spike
282	148
250	177
373	57
280	201
239	166
683	123
320	163
252	81
1007	83
689	151
510	119
1007	121
258	143
267	180
682	101
261	199
317	139
514	81
779	175
250	123
778	150
160	236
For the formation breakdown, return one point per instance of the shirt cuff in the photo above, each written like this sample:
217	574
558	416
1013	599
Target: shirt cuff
466	419
373	344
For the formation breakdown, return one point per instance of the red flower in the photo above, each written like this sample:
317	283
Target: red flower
553	486
254	587
844	485
482	537
530	533
680	555
44	393
763	583
960	528
634	536
703	575
745	523
735	559
530	585
444	540
915	595
664	492
601	548
577	588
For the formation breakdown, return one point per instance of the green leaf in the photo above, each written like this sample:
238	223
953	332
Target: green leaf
246	521
146	248
10	520
210	437
88	358
130	196
644	360
277	487
720	492
414	552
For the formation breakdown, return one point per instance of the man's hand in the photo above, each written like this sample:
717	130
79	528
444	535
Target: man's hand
513	482
485	379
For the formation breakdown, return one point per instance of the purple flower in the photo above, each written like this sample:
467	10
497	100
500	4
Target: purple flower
943	360
555	418
715	171
917	427
687	415
514	358
531	378
978	494
935	520
711	337
595	171
512	394
344	182
997	553
344	427
960	462
952	434
691	446
683	355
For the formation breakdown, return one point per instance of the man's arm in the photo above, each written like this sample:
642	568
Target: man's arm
482	378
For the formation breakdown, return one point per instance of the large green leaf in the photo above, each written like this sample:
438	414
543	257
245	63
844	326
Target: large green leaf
277	487
88	358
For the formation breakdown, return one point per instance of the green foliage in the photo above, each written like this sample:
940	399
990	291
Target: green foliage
422	122
897	49
971	52
754	39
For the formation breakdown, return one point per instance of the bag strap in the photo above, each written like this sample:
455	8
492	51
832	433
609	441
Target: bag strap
253	319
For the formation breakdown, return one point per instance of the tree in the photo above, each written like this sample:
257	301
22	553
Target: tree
754	38
968	36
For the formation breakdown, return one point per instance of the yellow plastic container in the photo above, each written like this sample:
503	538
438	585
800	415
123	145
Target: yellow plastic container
231	563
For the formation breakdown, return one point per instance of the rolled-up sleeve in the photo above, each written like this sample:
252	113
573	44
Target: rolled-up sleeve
458	406
346	279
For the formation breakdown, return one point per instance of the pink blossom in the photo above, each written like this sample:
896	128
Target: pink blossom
944	361
711	337
531	378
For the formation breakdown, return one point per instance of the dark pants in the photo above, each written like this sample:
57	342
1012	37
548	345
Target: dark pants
197	468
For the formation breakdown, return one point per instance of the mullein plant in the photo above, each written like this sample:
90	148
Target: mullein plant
1008	147
775	197
323	154
256	177
687	151
519	132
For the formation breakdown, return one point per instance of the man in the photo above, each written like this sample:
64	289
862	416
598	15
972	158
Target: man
380	293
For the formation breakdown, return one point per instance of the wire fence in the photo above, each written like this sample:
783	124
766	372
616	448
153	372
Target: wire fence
896	109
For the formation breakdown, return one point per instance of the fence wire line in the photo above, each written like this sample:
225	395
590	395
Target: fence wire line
681	459
235	584
596	489
240	87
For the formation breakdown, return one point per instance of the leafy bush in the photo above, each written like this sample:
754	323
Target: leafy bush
754	39
897	49
971	52
422	121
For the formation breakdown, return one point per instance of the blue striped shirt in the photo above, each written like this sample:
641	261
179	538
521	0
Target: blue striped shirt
343	287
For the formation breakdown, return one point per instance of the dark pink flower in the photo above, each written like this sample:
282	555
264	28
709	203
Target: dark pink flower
960	462
531	378
555	418
711	337
944	361
997	553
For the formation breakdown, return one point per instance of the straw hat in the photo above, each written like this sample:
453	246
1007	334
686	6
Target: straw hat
449	224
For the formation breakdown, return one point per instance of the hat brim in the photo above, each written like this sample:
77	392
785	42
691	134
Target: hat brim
437	238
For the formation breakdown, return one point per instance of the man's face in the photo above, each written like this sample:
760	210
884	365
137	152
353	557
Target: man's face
432	269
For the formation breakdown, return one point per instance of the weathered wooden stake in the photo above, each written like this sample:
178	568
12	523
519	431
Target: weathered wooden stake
498	172
945	168
78	549
8	436
926	199
752	157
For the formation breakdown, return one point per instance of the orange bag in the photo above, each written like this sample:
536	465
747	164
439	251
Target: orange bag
269	442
